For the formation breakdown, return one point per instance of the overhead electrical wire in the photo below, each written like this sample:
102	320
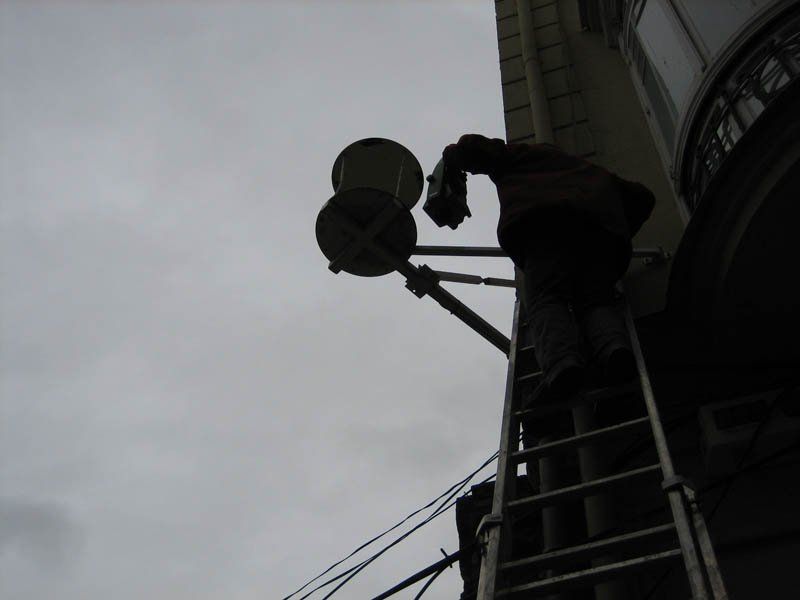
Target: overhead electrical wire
632	450
356	569
460	484
442	509
727	481
439	565
428	584
352	572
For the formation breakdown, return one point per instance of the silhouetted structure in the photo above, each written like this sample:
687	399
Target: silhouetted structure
698	100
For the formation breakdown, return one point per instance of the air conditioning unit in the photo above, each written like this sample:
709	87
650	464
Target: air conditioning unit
728	428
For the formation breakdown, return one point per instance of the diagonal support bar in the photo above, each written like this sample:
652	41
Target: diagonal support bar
423	281
475	279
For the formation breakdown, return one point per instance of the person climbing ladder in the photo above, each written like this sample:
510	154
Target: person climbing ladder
567	224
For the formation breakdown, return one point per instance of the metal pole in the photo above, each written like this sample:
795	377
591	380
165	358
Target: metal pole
555	534
599	510
459	251
493	252
540	109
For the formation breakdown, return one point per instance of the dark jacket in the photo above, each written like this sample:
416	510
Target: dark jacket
536	181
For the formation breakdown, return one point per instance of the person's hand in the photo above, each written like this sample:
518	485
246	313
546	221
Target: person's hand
448	155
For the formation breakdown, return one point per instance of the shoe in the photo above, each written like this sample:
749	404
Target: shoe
619	366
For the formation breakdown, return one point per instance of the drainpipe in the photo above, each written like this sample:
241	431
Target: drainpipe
555	533
599	510
540	110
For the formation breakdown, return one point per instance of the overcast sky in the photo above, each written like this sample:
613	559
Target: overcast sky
193	406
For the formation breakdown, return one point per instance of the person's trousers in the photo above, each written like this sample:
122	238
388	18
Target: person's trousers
570	276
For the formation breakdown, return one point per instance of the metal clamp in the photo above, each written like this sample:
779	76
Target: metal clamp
487	522
446	556
676	482
424	281
652	256
685	487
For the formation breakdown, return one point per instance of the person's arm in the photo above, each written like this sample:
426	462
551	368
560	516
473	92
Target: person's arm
476	154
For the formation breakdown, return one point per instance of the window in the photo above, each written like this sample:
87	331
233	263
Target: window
663	108
668	50
717	20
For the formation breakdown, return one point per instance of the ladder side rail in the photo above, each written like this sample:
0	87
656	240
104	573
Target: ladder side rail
696	568
659	437
713	573
491	551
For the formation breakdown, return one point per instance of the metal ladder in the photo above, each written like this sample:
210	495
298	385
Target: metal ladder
685	536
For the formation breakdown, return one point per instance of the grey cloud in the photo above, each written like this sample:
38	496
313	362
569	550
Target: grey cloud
43	533
193	403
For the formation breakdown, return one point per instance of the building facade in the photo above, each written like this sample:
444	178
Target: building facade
700	101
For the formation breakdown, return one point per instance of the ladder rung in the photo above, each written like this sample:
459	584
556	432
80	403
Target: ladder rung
526	358
529	377
613	391
588	488
580	440
594	395
592	549
587	577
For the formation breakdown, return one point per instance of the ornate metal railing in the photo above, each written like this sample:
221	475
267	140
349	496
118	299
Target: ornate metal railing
737	102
